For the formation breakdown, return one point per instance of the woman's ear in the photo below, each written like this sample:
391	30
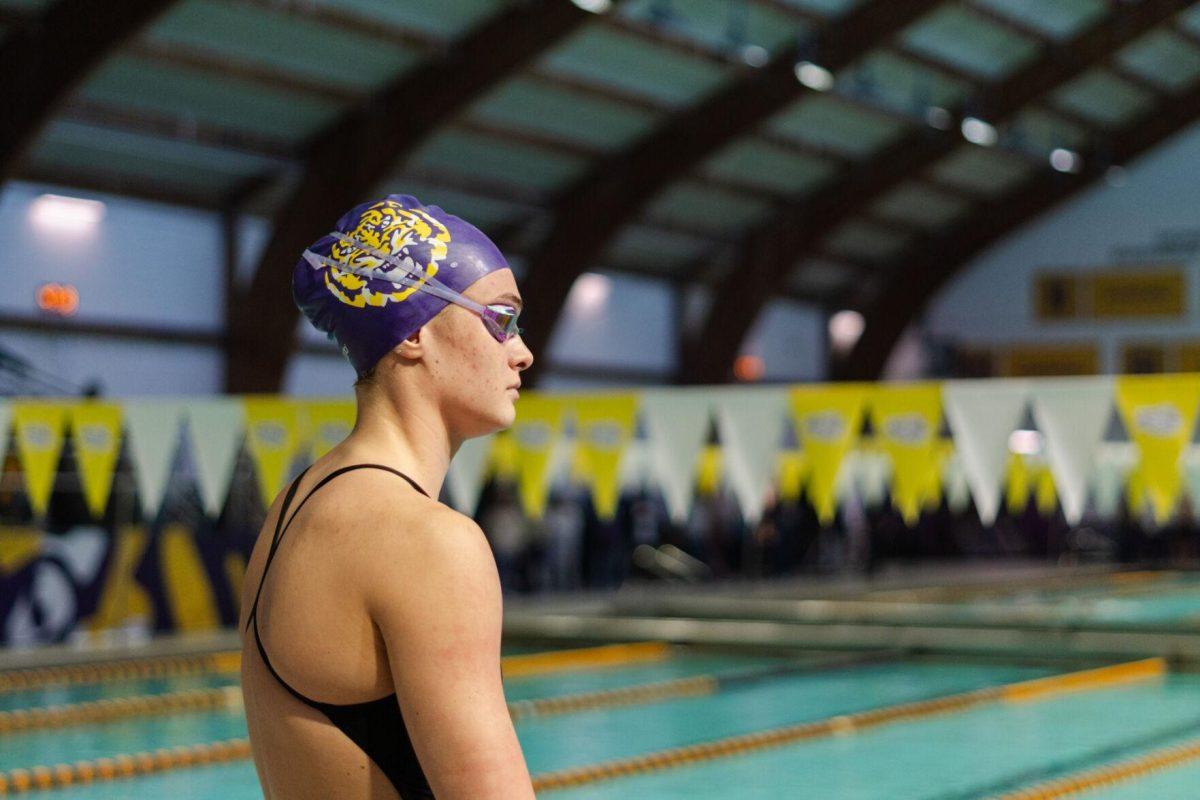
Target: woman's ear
411	348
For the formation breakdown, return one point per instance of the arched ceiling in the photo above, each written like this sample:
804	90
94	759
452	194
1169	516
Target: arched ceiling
665	138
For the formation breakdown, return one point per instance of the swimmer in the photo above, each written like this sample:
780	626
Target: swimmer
371	613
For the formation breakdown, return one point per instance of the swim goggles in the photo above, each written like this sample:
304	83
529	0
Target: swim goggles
499	320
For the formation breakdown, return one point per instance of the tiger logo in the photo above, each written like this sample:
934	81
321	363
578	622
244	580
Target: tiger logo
418	240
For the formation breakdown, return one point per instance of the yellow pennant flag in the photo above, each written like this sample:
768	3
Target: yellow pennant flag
537	429
326	423
1044	493
1019	485
1160	413
502	460
708	472
943	450
96	432
793	471
604	429
828	420
39	428
272	435
906	420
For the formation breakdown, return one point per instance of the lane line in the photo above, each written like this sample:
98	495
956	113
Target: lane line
1109	774
1022	692
23	720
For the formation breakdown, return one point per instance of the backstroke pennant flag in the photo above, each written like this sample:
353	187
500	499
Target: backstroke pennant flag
216	428
153	428
906	420
272	437
465	477
1160	414
982	415
827	421
96	432
792	470
676	430
40	432
751	424
536	431
5	422
604	427
1071	414
326	423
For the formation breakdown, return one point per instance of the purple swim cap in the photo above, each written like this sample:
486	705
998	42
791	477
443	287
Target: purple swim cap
369	316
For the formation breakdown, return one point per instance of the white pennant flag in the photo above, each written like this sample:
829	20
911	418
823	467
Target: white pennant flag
1114	462
216	428
464	479
5	422
982	415
676	428
955	487
634	471
751	424
1191	476
153	428
1072	414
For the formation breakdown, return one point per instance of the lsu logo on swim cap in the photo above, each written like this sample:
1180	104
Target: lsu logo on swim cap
412	235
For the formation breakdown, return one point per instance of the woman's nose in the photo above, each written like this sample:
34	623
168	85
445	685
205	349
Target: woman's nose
522	357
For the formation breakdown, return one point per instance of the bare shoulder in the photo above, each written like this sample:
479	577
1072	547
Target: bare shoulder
400	546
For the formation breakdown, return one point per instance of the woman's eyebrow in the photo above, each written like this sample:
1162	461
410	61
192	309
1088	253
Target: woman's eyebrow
511	299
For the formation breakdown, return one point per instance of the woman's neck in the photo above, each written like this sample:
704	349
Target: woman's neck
416	442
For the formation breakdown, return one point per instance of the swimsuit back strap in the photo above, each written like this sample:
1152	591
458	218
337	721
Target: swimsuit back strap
281	528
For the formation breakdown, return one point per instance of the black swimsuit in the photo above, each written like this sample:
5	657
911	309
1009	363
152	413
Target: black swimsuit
376	726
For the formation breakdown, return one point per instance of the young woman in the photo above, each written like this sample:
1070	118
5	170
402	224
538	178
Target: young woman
372	613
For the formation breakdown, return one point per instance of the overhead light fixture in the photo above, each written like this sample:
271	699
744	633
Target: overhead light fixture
594	6
589	293
1065	160
976	131
939	118
1025	442
755	55
61	214
845	329
814	76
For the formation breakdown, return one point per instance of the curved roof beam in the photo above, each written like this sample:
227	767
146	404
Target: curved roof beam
47	56
366	143
769	253
915	276
594	209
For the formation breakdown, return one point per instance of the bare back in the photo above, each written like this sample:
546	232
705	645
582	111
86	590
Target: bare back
343	608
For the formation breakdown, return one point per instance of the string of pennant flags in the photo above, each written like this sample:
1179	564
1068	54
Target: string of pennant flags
918	444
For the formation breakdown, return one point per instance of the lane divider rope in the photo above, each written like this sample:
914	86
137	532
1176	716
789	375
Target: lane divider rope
697	686
125	669
230	661
22	720
144	763
98	770
1109	774
847	724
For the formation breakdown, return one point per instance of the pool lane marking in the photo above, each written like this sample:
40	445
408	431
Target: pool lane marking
557	661
144	763
23	720
98	770
697	686
230	661
846	724
1109	774
125	669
